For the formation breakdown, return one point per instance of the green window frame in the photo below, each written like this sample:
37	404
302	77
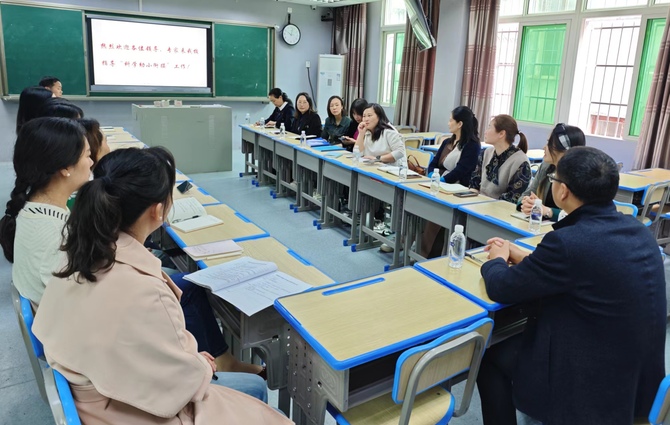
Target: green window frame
652	44
539	73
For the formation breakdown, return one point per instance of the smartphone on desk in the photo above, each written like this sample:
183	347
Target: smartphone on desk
184	187
467	194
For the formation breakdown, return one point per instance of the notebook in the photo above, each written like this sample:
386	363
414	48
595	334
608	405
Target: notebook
249	284
213	250
448	188
522	216
317	142
392	169
188	215
329	148
307	136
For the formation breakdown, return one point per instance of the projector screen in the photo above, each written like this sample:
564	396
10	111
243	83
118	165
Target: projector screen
141	57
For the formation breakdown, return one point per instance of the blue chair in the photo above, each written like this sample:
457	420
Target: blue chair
70	415
416	387
660	409
626	208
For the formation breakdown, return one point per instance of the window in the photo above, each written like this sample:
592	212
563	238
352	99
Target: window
394	17
603	75
585	62
652	44
539	73
504	71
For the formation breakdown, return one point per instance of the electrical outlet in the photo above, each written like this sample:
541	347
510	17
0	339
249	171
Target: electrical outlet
307	64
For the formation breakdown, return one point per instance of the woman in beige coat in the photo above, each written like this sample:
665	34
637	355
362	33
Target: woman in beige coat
111	320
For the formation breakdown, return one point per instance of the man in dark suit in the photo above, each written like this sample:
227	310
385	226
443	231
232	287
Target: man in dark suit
593	349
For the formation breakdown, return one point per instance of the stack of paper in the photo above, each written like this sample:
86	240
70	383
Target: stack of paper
392	169
448	188
211	251
250	285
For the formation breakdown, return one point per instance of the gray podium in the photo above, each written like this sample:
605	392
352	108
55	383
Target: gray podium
199	137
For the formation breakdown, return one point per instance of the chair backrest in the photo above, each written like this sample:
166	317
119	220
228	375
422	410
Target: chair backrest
441	138
66	400
24	316
421	368
424	157
655	194
413	142
625	208
405	129
660	410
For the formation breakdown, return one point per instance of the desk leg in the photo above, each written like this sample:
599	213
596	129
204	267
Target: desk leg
396	226
284	401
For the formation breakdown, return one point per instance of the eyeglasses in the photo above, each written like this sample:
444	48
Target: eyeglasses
552	178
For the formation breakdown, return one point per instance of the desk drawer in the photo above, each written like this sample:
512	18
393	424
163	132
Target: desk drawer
284	151
307	161
376	189
337	173
428	209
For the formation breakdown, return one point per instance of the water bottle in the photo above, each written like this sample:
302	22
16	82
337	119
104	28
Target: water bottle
402	173
261	122
357	156
282	130
535	218
435	182
303	138
247	119
457	247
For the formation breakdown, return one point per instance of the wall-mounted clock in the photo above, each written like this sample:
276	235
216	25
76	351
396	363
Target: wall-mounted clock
291	34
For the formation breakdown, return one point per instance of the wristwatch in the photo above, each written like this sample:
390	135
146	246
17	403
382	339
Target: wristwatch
378	157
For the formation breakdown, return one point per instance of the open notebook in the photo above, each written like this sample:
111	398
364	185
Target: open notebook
392	169
213	250
188	215
249	284
448	188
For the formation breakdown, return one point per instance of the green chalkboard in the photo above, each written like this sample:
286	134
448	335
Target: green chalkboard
243	63
41	41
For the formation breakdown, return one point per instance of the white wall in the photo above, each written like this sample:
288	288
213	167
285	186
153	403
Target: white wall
290	71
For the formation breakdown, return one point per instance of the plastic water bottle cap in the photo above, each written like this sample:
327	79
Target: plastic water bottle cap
538	202
302	133
458	228
436	170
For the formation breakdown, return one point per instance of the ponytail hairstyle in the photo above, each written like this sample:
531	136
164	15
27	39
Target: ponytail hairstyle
383	123
469	129
508	124
126	183
60	107
94	136
43	147
30	102
277	93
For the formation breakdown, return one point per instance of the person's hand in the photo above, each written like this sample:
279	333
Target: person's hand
348	140
361	126
516	255
271	124
527	203
498	248
209	359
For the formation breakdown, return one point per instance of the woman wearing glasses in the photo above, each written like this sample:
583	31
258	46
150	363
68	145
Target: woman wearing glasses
561	138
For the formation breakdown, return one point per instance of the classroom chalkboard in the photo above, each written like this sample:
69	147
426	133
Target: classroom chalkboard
41	41
243	64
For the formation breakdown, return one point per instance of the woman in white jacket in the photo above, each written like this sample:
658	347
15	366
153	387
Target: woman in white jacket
378	140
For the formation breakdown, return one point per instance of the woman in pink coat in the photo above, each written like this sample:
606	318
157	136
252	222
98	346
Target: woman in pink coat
111	321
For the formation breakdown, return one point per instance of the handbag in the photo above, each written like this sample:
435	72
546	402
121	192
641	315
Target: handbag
413	164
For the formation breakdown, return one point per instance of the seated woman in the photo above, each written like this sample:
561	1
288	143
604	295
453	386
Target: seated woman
356	114
561	138
305	118
283	112
111	322
51	161
503	171
336	124
97	140
30	102
377	140
456	160
60	107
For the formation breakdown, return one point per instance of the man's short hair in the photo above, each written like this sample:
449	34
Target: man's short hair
48	82
590	174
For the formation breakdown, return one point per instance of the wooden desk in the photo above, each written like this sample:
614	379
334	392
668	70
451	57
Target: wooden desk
285	165
427	136
530	243
375	186
198	193
489	219
121	137
266	148
535	156
309	163
336	174
266	331
339	330
235	226
249	149
632	187
420	205
180	177
112	130
658	174
126	145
